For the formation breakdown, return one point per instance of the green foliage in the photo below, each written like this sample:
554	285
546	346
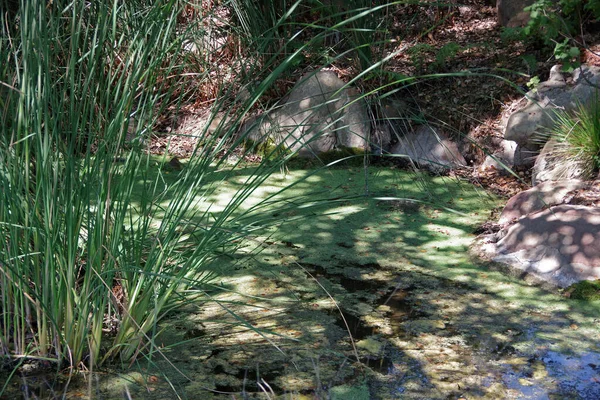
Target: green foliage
531	62
567	55
318	31
593	6
511	35
577	137
586	290
554	24
445	54
418	55
533	83
78	72
545	21
95	237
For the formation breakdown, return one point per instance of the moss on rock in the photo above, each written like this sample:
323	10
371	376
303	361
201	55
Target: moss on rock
267	149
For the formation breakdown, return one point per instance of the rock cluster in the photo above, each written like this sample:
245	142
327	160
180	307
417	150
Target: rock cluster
324	114
430	148
547	236
527	137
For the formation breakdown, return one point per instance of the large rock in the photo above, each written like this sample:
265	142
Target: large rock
321	114
354	125
552	166
397	114
524	126
393	122
429	148
537	198
558	245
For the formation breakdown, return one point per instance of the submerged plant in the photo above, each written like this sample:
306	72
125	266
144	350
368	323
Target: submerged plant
585	290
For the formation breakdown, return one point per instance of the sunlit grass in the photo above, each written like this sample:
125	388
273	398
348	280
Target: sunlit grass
575	152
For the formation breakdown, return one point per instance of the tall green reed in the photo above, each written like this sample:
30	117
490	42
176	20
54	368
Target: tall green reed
86	247
78	73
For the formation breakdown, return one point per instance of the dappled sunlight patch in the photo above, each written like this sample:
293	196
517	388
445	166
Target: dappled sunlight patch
448	230
351	283
344	212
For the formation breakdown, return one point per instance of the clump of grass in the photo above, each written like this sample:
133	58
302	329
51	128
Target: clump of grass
75	74
93	238
576	141
85	247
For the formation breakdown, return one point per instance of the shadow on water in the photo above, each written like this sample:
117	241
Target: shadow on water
397	310
400	309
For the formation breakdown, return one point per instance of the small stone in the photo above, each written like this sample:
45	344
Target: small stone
440	324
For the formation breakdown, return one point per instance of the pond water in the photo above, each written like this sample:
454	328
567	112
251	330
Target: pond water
420	318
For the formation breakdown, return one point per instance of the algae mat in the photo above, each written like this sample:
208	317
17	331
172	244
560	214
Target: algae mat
363	289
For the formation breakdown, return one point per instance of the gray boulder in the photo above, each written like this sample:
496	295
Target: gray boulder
537	198
354	125
397	114
550	166
430	149
321	114
558	245
527	126
510	155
